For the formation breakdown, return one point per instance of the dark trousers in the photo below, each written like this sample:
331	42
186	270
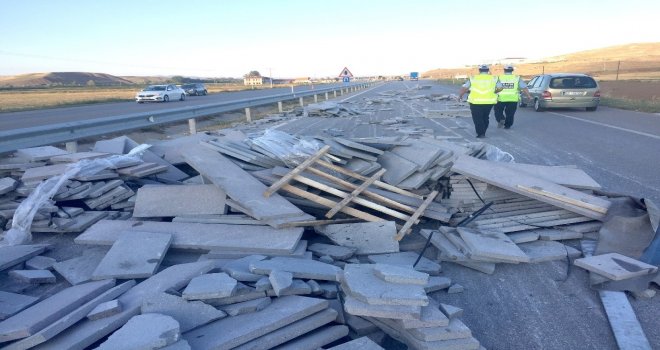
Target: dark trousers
480	114
508	108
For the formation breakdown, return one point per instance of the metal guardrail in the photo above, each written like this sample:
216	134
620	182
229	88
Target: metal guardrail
71	131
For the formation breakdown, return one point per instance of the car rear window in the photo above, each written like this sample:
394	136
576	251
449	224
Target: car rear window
572	83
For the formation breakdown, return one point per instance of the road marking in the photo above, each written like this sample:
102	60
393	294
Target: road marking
608	126
358	94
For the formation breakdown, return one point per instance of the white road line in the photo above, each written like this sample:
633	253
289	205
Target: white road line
608	126
358	94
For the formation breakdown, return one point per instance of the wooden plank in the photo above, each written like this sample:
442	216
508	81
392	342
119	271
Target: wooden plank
627	331
500	176
299	169
564	198
569	177
404	230
312	223
356	192
329	203
364	178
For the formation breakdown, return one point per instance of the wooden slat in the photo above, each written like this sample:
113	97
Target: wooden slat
356	192
299	169
402	232
380	184
329	203
320	222
565	199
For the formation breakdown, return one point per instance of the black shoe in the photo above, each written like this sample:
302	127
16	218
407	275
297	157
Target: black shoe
500	124
481	136
507	127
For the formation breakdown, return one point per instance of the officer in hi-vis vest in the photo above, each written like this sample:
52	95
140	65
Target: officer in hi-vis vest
507	99
483	96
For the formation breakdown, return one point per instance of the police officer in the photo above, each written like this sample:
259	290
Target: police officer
483	96
507	99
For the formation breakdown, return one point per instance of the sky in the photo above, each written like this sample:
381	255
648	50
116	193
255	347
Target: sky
298	38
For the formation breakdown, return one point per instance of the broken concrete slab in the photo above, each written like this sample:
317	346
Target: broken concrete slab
360	281
310	269
239	269
105	309
246	306
407	259
33	276
420	153
455	288
297	287
390	328
135	254
358	307
36	175
40	262
78	156
437	283
492	244
12	303
362	343
615	266
334	251
358	325
210	286
455	330
147	331
540	251
7	184
38	316
180	345
189	314
365	237
398	168
168	200
80	269
232	332
16	254
281	281
263	284
523	236
451	311
558	234
562	175
201	236
431	316
36	154
316	339
401	274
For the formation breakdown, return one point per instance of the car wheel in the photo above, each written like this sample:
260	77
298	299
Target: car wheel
537	106
183	97
591	109
204	93
166	98
521	103
140	102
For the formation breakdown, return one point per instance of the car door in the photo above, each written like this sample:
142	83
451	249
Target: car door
530	86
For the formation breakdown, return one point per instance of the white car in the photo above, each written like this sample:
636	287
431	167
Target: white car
160	93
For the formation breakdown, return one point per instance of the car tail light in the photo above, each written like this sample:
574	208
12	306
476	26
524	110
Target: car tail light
597	93
547	95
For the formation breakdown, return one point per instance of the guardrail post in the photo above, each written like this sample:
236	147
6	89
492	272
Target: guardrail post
302	104
279	106
326	96
192	126
341	92
72	146
335	93
316	98
248	116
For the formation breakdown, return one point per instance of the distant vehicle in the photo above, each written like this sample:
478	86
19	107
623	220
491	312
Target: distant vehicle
399	78
414	76
160	93
194	89
562	90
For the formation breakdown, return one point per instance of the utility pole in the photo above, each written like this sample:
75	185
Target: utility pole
270	72
618	65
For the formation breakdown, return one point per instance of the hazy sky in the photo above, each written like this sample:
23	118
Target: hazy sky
305	38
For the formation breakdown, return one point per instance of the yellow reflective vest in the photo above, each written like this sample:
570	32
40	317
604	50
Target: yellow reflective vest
482	90
510	88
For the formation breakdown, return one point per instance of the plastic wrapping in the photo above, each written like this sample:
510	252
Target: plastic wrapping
496	154
22	220
290	149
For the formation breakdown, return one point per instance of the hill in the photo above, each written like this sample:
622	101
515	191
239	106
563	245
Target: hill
62	79
632	61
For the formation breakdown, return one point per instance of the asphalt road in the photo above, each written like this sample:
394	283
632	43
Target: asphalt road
531	306
18	120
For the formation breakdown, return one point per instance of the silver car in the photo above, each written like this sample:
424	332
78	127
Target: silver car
160	93
562	90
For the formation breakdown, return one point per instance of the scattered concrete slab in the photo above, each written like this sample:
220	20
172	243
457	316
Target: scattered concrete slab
78	156
360	281
362	343
404	336
105	309
365	237
239	269
36	154
33	276
135	254
334	251
358	307
310	269
400	274
398	168
147	331
455	330
451	311
407	259
12	303
38	316
210	286
431	316
7	184
437	283
281	281
36	175
523	236
420	153
558	234
246	306
168	200
615	266
180	345
455	288
541	251
16	254
492	244
316	339
263	284
40	262
298	287
358	325
80	269
258	239
231	332
189	314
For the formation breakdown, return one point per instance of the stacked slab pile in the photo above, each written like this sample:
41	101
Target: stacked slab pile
394	299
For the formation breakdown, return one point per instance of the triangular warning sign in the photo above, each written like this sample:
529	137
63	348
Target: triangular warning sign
345	73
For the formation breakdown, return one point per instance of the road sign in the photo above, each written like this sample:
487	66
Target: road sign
346	79
345	73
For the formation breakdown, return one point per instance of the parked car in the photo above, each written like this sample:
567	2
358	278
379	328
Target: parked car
160	93
194	89
562	90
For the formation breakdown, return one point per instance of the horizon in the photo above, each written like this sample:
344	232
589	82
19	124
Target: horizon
296	38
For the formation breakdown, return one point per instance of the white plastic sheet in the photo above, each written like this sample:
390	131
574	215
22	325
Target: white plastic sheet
290	149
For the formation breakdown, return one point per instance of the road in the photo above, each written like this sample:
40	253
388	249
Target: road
18	120
531	306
